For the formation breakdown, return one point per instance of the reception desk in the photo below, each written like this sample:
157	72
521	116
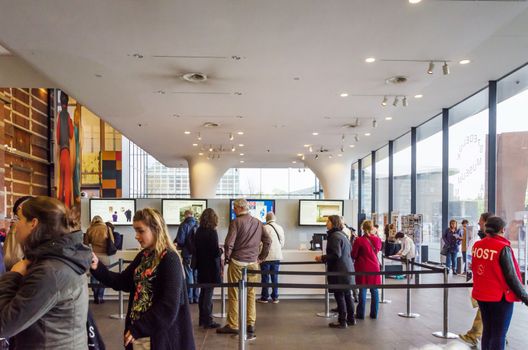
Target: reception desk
289	255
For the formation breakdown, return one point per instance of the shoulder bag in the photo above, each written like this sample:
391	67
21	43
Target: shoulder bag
111	249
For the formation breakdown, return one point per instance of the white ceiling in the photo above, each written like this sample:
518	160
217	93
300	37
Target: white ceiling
322	43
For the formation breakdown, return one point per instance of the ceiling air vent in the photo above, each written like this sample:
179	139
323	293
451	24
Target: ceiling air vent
194	77
398	79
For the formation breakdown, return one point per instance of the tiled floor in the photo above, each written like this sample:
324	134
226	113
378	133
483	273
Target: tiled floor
292	324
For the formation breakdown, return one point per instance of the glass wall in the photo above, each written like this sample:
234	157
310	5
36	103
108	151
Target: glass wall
468	137
366	186
382	186
429	183
402	174
512	157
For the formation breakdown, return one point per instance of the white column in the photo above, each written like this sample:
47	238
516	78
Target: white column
204	175
333	174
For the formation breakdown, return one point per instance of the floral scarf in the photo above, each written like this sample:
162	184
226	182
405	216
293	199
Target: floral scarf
144	276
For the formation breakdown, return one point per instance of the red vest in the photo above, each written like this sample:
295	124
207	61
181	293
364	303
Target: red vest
489	283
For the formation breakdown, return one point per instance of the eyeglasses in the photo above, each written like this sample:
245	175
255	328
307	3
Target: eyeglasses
15	219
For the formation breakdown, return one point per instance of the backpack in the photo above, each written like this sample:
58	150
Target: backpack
190	245
118	240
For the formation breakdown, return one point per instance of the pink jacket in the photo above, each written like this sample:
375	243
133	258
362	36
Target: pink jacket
366	259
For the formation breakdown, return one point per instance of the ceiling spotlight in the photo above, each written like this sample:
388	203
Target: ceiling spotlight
343	137
210	148
374	123
404	101
370	60
310	149
330	156
445	69
315	133
199	137
299	154
344	94
242	154
384	102
356	138
306	146
186	132
231	137
233	148
418	96
316	156
351	146
240	145
200	154
195	145
430	68
240	133
241	161
342	149
367	134
396	100
302	158
388	118
464	61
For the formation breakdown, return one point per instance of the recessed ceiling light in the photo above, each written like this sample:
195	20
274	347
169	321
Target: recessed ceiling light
418	96
315	133
339	154
241	161
299	154
240	133
200	154
344	94
294	162
414	1
388	118
370	60
351	146
241	154
186	132
306	146
195	145
466	61
240	145
367	134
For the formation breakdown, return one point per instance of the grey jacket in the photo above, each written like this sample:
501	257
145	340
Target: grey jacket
47	308
338	258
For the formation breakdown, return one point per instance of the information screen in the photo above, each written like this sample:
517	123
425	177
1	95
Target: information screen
258	208
316	212
173	209
116	211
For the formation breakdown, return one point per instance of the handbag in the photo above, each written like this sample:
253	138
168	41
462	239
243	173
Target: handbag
444	250
111	249
95	341
277	233
374	250
141	344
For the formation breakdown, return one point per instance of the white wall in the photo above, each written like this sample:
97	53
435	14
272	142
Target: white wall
287	211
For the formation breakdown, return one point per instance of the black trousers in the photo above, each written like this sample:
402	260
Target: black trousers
345	305
205	304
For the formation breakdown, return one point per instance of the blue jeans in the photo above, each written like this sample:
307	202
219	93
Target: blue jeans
451	259
496	317
98	293
274	267
374	303
191	276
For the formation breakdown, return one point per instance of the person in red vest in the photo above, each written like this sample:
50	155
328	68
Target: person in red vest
496	283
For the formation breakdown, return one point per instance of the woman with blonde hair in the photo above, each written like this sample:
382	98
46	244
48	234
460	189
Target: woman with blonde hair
97	237
158	314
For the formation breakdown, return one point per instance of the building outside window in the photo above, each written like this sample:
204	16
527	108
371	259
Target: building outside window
366	186
382	187
402	174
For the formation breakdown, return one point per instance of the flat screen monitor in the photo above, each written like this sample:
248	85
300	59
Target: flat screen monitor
258	208
117	211
173	209
315	212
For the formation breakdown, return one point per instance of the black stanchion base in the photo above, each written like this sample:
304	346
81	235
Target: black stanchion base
118	316
219	315
447	335
406	315
326	315
385	301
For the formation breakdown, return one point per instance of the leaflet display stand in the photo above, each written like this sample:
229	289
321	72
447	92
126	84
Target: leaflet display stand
412	226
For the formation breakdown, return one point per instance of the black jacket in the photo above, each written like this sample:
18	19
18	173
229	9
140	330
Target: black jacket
338	258
168	321
510	274
207	256
47	308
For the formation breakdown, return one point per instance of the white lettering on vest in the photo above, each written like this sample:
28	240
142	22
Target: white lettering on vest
486	254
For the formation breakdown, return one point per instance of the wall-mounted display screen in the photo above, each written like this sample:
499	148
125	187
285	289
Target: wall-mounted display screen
257	208
173	209
315	212
117	211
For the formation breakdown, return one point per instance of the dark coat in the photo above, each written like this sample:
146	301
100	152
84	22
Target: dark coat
207	256
186	228
168	321
47	308
338	258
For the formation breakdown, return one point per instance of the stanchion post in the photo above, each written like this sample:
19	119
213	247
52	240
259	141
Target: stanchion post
445	334
120	315
408	313
222	313
327	313
382	299
242	310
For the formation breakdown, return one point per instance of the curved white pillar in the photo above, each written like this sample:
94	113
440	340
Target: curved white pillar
204	175
333	174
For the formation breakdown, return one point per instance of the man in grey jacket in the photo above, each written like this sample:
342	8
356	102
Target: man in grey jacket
241	250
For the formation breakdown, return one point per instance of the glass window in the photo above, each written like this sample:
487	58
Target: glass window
402	174
429	183
366	186
382	186
512	157
354	193
468	135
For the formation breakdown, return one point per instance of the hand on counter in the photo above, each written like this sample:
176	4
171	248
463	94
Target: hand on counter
319	258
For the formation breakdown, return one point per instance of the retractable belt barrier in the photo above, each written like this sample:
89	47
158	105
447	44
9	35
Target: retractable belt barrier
243	284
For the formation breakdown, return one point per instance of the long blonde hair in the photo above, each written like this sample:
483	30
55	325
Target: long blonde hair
153	219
